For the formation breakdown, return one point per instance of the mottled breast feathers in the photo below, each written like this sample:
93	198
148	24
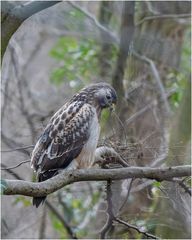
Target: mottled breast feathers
64	137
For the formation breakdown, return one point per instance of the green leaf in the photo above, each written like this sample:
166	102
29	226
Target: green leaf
77	58
26	202
63	47
157	184
57	76
76	203
58	226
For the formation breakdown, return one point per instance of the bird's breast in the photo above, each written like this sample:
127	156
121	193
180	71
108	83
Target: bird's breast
87	155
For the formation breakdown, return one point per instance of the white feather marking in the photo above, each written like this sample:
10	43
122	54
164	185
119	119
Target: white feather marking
86	157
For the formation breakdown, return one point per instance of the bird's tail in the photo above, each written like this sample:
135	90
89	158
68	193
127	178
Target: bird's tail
42	177
38	200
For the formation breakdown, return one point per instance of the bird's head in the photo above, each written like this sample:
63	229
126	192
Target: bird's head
101	95
105	95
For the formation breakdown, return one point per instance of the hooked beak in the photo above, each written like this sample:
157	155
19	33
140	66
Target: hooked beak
112	107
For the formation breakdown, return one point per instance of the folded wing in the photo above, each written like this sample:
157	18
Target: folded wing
63	138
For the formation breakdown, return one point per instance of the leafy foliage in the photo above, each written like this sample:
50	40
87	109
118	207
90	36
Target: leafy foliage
21	199
77	60
177	78
76	209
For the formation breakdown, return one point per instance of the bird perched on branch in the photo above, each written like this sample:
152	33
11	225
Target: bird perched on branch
71	136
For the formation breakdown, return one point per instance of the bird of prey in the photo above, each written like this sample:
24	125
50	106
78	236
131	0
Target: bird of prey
71	136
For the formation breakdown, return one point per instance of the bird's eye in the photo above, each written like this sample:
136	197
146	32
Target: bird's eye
108	97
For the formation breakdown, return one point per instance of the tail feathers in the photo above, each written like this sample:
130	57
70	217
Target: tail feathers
38	200
42	177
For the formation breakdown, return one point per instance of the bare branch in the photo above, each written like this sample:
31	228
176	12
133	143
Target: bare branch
12	143
70	232
157	79
182	184
108	33
14	48
13	187
127	195
8	168
17	149
140	112
136	228
15	175
163	16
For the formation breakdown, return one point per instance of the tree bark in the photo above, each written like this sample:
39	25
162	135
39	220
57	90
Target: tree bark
13	16
13	187
126	36
105	15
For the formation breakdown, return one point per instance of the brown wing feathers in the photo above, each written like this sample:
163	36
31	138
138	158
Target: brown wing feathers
72	133
63	138
61	142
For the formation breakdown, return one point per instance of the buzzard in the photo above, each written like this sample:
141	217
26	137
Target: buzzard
71	136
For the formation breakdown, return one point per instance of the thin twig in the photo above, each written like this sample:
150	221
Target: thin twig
143	185
183	185
94	20
11	172
106	154
127	195
157	79
17	149
163	17
149	235
8	168
148	107
15	54
12	143
72	235
140	112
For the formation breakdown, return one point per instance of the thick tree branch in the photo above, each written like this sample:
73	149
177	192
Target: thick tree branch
13	187
13	16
